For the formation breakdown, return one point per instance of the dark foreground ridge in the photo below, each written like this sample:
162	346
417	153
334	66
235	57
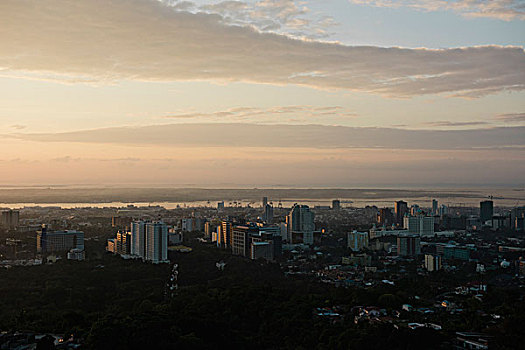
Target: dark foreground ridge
110	303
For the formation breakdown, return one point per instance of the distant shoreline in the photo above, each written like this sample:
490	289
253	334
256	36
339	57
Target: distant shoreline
359	197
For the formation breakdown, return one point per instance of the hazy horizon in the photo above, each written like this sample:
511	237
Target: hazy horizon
172	197
398	186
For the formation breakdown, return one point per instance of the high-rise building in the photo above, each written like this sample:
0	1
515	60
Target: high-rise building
138	238
500	222
434	207
415	210
301	225
208	229
10	218
187	224
400	209
420	224
58	241
283	227
262	250
220	205
486	211
408	245
270	233
156	242
224	234
517	218
264	202
277	243
198	224
149	241
218	236
357	240
175	238
268	213
432	262
123	243
443	210
456	252
385	217
336	204
241	239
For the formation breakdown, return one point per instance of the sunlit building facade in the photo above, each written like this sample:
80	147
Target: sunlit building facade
224	233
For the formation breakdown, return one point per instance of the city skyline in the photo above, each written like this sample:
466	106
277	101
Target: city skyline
300	93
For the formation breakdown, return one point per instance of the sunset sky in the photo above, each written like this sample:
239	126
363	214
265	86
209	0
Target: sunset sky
260	93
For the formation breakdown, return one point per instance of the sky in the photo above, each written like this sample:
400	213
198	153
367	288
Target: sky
330	93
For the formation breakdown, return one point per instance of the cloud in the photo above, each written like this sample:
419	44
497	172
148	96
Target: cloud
18	126
181	5
511	117
278	16
447	123
501	9
280	114
149	41
65	159
293	136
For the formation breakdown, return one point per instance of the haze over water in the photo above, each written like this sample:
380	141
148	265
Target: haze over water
196	197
